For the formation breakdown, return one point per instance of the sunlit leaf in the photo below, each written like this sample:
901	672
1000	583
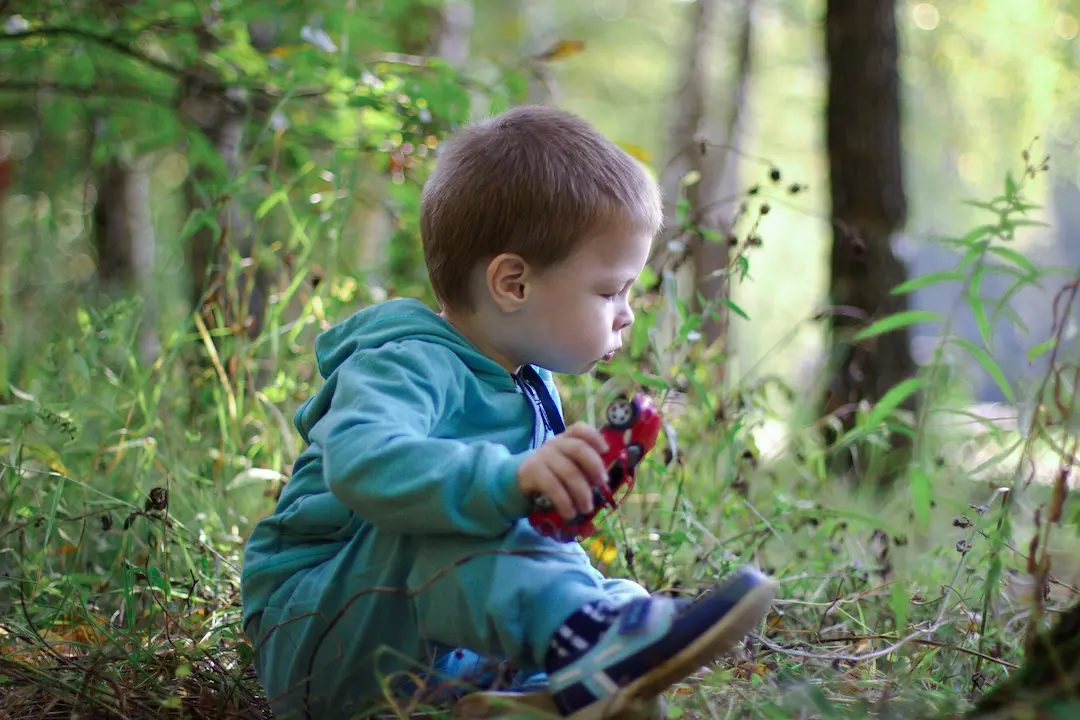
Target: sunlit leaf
898	321
268	204
636	151
975	251
1016	258
893	399
562	49
920	495
979	233
988	364
900	602
1007	311
736	309
48	456
978	309
1037	351
927	280
1027	222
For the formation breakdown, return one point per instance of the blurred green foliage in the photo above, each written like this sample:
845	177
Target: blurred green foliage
129	479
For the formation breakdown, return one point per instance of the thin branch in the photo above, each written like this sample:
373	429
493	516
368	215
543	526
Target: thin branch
103	40
931	643
853	658
82	91
74	518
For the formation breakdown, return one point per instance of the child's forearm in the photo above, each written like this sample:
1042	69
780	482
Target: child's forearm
421	485
381	461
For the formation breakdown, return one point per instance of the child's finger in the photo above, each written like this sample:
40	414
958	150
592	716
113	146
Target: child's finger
589	434
553	489
573	481
588	460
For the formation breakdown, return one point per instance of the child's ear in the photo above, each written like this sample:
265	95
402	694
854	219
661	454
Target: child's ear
507	281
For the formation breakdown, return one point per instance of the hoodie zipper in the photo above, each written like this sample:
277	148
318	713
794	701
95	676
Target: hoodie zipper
532	385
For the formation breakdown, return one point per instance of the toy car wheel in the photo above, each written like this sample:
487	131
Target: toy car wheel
541	503
634	453
622	414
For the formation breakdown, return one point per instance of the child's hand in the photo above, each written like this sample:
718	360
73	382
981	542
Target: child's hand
565	468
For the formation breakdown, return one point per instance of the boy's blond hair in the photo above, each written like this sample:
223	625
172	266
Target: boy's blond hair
533	181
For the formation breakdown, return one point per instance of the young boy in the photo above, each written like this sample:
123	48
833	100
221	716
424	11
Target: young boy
401	539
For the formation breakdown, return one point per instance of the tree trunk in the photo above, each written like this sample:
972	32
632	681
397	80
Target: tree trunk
539	25
868	203
719	183
112	234
222	120
7	178
449	40
452	38
685	150
687	154
124	240
221	116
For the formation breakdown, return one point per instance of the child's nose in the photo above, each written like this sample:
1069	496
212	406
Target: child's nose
624	319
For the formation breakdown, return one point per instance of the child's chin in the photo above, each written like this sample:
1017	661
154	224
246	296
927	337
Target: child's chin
571	367
581	369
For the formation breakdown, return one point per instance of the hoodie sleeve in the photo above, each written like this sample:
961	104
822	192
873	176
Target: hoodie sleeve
380	461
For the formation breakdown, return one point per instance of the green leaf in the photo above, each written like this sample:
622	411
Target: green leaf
975	250
1027	222
988	364
48	456
691	324
639	334
977	307
897	321
682	209
736	309
979	233
648	380
1010	185
981	205
927	280
691	178
743	265
269	203
900	602
82	370
1041	349
1016	259
1005	310
920	495
894	399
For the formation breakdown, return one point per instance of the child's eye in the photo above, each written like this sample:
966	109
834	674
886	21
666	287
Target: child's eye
611	296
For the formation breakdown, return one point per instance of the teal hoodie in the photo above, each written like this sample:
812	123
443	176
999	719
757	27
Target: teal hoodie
414	431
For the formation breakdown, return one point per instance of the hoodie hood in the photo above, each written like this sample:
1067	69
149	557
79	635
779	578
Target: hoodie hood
396	320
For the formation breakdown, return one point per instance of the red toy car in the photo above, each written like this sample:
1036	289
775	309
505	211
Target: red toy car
631	431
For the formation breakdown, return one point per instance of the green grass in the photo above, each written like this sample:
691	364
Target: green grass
123	531
127	489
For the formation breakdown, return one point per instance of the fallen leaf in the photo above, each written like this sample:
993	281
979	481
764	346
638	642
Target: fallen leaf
561	49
